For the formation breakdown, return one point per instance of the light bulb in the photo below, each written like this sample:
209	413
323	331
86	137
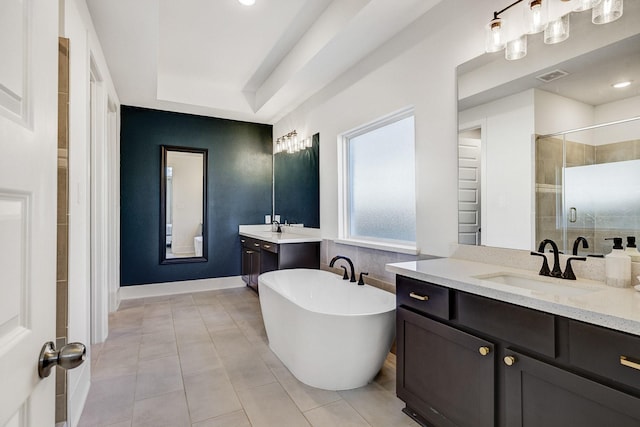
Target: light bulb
494	35
582	5
535	16
557	31
516	49
607	11
247	2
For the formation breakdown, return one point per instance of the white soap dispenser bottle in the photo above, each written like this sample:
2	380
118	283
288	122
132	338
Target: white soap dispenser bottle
632	250
617	266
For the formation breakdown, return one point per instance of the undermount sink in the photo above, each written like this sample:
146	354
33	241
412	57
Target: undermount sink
546	285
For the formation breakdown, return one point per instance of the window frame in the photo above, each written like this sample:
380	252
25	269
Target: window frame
344	218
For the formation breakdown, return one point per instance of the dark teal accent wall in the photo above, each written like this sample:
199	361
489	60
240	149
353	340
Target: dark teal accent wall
297	185
239	190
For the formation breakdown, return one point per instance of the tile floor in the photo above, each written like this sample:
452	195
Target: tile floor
202	360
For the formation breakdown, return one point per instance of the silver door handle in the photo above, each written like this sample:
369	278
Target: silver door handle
70	356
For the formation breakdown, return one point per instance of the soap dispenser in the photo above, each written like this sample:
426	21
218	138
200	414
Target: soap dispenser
617	266
632	250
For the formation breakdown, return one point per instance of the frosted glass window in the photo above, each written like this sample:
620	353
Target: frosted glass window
381	183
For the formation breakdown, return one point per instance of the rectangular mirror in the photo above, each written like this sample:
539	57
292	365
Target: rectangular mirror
503	105
296	185
183	205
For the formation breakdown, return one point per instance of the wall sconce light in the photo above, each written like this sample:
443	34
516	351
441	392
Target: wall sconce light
536	19
292	143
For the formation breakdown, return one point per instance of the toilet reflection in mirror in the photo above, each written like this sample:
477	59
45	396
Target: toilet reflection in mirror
183	205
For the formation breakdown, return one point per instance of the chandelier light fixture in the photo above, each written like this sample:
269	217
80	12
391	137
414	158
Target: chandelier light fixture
536	18
291	143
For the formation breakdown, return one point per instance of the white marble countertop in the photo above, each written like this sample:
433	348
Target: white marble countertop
606	306
288	235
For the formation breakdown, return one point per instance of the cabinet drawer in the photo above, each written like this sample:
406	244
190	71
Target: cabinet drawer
611	354
521	326
267	246
424	297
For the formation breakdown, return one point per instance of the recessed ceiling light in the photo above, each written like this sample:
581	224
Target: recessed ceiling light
247	2
621	85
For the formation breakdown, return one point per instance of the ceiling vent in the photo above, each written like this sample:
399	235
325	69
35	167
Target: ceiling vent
552	75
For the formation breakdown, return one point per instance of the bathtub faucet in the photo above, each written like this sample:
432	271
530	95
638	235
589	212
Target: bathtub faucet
353	272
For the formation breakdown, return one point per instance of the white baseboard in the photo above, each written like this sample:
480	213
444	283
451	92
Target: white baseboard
184	287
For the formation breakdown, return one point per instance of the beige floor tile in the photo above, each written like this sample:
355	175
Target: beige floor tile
182	300
215	343
271	406
304	396
158	376
167	410
129	303
159	324
116	361
236	419
155	346
198	356
157	309
109	401
377	406
230	343
248	371
335	414
217	320
210	394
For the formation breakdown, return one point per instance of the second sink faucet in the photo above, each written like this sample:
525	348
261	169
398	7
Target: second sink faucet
353	272
556	271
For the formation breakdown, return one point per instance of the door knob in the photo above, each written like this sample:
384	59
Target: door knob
69	357
509	360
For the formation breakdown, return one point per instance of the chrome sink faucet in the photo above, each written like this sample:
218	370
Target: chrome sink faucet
353	272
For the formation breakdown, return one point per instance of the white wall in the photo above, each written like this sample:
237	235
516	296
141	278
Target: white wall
555	113
416	68
83	45
624	109
507	189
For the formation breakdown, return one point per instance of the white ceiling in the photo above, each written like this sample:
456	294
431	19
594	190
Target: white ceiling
223	59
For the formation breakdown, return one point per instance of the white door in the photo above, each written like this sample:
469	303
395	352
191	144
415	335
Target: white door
28	172
469	191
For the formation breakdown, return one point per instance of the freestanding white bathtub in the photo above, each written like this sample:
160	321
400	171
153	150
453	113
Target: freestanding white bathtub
331	334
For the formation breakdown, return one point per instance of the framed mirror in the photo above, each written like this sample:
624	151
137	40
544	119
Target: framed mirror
183	205
502	107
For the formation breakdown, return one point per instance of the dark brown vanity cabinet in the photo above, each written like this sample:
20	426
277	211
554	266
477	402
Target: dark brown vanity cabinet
446	375
250	264
259	256
540	394
467	360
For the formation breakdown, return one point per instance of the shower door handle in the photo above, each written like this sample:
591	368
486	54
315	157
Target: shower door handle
573	214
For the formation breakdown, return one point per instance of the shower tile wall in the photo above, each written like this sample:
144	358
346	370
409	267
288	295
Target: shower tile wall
549	189
62	222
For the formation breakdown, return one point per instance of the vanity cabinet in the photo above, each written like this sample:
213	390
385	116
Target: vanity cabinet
540	394
467	360
446	375
260	256
250	263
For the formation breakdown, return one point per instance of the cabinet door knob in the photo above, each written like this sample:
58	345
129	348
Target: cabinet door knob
257	245
419	297
509	360
484	350
624	361
266	246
